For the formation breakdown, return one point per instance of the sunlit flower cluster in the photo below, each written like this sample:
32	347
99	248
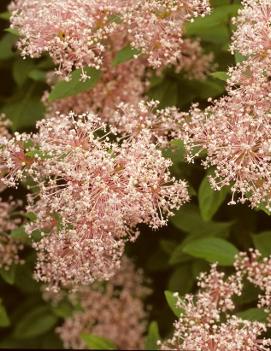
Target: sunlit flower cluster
77	33
92	194
72	32
257	269
252	37
235	130
206	321
156	27
113	310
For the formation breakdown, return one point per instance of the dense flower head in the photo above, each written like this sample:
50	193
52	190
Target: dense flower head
75	258
92	194
155	27
206	323
14	158
235	132
252	37
257	269
214	296
113	310
9	247
72	32
130	180
234	335
77	33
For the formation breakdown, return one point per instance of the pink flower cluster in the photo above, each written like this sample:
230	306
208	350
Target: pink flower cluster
156	27
235	130
9	247
77	33
92	194
113	310
71	31
125	83
206	321
118	98
257	269
253	35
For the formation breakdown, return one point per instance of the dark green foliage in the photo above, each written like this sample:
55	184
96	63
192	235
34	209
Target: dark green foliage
152	337
95	342
75	85
206	230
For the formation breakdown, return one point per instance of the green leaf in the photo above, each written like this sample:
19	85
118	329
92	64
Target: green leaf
94	342
199	266
166	93
31	216
63	309
262	207
21	70
5	15
210	88
156	79
209	199
37	153
262	242
212	250
45	64
175	152
178	256
12	31
249	294
20	235
172	302
24	108
125	54
24	280
239	58
220	75
6	46
253	314
8	275
37	75
170	94
181	279
214	28
189	220
75	85
152	337
4	319
34	323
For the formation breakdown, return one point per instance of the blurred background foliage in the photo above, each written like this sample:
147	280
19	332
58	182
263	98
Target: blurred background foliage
204	231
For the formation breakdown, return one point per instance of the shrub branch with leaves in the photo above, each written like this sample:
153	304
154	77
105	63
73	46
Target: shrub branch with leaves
127	128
